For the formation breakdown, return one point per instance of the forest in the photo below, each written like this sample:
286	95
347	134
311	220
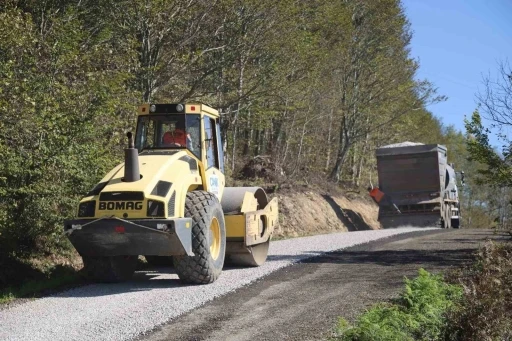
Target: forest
311	87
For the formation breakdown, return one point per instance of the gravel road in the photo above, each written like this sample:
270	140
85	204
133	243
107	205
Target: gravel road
303	302
128	310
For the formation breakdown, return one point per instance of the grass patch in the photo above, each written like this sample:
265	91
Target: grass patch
35	288
418	314
37	275
43	276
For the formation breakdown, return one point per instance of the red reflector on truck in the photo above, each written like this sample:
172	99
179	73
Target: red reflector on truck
120	229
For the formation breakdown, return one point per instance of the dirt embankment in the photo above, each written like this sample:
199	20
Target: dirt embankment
312	212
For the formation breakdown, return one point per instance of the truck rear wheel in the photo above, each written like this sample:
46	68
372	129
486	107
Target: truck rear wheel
208	240
109	269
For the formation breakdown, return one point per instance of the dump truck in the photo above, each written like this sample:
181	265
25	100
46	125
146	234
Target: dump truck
419	186
168	201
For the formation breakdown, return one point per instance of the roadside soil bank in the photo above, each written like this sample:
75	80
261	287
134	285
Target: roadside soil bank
310	212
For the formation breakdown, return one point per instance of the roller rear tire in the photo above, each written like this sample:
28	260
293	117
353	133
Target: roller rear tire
208	240
109	269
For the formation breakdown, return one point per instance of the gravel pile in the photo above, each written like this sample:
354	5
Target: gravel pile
127	310
403	144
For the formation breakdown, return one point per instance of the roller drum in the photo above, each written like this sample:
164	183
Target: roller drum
233	197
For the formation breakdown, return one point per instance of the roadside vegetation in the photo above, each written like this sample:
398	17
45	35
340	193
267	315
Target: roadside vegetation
471	303
29	277
418	314
485	312
57	279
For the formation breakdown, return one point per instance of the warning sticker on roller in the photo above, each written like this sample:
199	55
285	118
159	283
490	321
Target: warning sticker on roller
214	185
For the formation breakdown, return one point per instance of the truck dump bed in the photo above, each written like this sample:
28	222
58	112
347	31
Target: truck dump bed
412	175
411	168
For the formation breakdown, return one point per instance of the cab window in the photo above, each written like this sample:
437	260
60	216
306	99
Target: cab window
219	146
210	142
175	131
194	134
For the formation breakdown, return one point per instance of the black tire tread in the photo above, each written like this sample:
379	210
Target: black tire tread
198	269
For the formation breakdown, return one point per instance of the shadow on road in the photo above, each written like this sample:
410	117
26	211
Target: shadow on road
366	253
146	279
296	257
386	258
392	258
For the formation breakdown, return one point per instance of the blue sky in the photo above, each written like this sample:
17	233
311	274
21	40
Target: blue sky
457	42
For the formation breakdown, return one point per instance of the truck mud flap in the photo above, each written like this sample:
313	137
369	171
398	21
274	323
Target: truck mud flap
410	220
116	237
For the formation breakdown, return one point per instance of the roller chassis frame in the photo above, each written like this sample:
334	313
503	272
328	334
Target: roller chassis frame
112	236
119	237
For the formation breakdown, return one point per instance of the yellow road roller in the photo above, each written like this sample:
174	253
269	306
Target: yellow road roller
168	202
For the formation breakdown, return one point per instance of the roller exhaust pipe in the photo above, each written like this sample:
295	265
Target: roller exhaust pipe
131	161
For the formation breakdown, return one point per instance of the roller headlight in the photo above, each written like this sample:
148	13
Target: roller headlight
155	209
87	209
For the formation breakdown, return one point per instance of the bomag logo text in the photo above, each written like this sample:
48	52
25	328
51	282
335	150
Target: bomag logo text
120	205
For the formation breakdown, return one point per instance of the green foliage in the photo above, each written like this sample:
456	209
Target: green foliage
494	166
419	313
498	169
473	303
60	102
33	288
483	205
487	299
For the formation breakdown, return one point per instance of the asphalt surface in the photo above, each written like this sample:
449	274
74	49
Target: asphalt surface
303	301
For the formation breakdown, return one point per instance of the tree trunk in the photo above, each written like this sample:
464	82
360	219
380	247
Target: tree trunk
299	154
248	134
361	160
233	148
340	160
240	91
287	139
353	166
344	146
328	151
